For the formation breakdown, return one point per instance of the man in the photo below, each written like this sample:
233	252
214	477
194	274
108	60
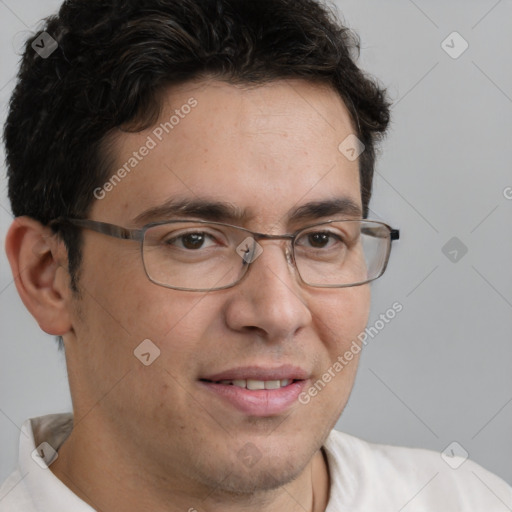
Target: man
190	181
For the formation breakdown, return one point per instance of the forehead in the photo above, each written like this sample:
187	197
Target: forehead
266	150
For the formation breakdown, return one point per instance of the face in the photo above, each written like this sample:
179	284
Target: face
266	151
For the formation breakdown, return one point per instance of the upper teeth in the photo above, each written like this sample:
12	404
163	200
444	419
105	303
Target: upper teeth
257	384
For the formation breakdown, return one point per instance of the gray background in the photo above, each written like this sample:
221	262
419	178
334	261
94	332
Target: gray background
441	370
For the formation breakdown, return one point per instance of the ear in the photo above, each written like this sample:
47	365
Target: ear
38	260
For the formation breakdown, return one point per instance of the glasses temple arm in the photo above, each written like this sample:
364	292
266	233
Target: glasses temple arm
102	227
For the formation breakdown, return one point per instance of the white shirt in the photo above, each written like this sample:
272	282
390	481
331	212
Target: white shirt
365	477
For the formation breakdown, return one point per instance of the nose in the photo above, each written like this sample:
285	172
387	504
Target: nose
269	299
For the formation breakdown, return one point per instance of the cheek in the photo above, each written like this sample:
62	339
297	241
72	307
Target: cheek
126	302
341	316
169	314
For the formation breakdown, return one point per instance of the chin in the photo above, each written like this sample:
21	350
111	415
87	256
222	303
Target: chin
241	477
261	478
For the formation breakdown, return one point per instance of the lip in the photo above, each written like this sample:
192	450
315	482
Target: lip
262	402
282	372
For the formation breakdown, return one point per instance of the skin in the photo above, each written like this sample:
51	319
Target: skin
159	439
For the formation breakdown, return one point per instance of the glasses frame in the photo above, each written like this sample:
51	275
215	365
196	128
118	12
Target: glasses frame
138	234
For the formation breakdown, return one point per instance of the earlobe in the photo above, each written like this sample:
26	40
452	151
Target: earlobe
38	263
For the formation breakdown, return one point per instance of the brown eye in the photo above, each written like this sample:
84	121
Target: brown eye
190	241
318	240
193	240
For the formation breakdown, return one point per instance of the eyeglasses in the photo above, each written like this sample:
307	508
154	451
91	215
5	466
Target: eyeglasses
197	255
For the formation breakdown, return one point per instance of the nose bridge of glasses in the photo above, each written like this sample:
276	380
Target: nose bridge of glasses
264	236
260	240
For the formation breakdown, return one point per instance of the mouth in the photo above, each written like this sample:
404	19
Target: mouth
253	384
257	391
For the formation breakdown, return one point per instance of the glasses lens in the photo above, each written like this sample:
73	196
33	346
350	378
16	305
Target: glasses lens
192	255
343	253
208	256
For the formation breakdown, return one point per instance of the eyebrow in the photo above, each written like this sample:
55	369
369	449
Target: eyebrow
219	211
